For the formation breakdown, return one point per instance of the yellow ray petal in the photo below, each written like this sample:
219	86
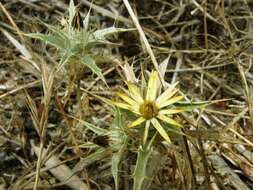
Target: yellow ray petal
133	109
170	111
169	92
126	98
135	93
170	101
165	96
153	83
122	105
160	129
137	122
168	120
133	104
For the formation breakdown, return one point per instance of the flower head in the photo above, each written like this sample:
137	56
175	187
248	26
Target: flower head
152	107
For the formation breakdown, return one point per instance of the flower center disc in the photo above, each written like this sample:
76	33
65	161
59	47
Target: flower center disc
148	109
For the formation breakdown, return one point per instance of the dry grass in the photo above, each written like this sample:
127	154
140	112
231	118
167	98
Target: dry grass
54	127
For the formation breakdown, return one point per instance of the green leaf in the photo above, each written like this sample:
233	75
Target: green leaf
57	32
89	62
116	158
144	152
190	106
71	10
50	39
121	139
140	172
86	21
99	36
64	60
103	33
93	128
99	154
89	145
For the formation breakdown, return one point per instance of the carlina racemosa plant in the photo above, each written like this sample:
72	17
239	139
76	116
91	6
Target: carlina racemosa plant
154	110
79	47
76	40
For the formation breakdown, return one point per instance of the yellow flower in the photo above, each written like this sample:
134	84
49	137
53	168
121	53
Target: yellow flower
152	108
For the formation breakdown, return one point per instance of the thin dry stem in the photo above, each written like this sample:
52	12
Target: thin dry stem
144	39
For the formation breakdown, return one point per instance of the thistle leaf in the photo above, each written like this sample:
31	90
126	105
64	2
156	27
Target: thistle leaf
53	40
57	31
89	62
121	140
144	152
89	145
71	10
64	60
103	33
116	159
190	106
97	130
99	36
99	154
86	21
